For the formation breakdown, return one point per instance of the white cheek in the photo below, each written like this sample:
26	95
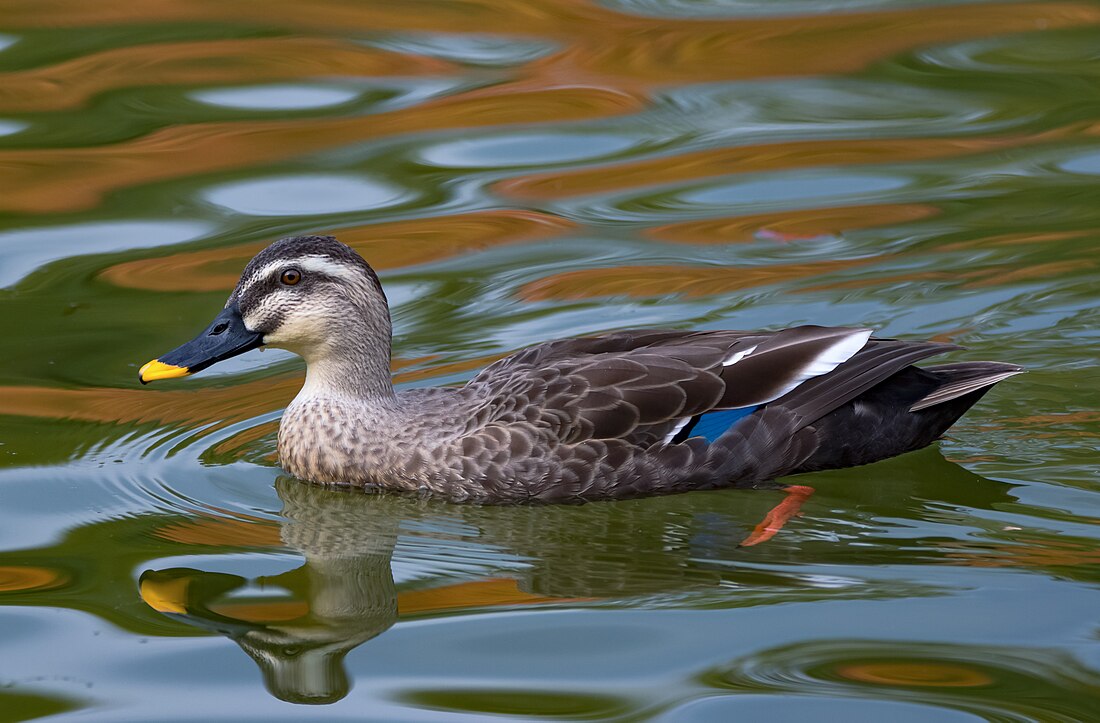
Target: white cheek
298	329
260	315
252	320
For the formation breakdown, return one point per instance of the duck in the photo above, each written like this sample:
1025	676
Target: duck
619	415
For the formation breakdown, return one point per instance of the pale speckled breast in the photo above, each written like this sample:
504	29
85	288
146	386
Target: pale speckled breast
330	442
398	445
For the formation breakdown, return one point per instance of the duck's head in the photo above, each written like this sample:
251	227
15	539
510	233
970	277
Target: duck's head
311	295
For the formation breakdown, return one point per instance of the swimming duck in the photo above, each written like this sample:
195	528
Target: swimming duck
619	415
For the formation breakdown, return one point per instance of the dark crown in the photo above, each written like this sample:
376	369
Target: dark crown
327	246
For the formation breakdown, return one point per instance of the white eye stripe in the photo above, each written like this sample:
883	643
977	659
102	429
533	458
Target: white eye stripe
313	262
325	265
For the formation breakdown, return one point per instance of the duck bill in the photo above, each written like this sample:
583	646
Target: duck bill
225	337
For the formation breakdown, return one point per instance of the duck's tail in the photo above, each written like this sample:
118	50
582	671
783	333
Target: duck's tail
964	377
907	411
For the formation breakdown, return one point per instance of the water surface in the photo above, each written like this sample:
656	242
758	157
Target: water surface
520	170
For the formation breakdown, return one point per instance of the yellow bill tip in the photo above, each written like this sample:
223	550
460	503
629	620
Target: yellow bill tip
165	596
159	370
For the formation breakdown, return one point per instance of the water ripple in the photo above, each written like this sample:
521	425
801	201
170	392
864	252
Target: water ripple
72	82
831	107
276	97
991	682
466	49
761	8
11	127
305	195
25	250
528	149
850	188
547	169
1063	56
357	95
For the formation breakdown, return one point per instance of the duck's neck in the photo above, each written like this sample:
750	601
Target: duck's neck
350	369
362	378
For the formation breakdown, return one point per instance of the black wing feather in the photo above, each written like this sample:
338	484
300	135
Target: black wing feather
638	385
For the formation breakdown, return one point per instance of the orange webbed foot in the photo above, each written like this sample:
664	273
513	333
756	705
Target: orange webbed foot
777	517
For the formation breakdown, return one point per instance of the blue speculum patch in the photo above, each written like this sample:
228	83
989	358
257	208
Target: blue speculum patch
713	425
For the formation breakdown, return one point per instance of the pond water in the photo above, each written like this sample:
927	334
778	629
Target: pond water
520	170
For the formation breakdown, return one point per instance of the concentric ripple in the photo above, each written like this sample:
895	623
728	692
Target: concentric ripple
989	682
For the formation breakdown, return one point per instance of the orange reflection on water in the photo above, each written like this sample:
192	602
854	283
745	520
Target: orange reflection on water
222	532
28	577
609	64
1033	553
243	441
641	281
73	82
654	51
1041	421
790	225
601	42
923	674
218	405
1013	273
477	593
171	597
1017	239
384	245
50	180
746	159
991	275
508	16
890	281
222	405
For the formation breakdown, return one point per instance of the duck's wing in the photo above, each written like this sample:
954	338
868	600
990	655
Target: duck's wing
877	361
647	386
583	347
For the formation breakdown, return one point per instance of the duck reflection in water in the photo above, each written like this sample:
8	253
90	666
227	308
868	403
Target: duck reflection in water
344	593
341	597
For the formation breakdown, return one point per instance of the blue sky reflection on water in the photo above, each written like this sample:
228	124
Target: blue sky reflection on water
520	170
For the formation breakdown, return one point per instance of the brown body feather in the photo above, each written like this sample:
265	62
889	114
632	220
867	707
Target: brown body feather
590	418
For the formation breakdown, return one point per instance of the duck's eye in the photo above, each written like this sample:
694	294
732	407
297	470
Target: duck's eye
291	277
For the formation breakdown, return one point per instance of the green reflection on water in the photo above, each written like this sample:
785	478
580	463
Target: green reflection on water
732	192
23	706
